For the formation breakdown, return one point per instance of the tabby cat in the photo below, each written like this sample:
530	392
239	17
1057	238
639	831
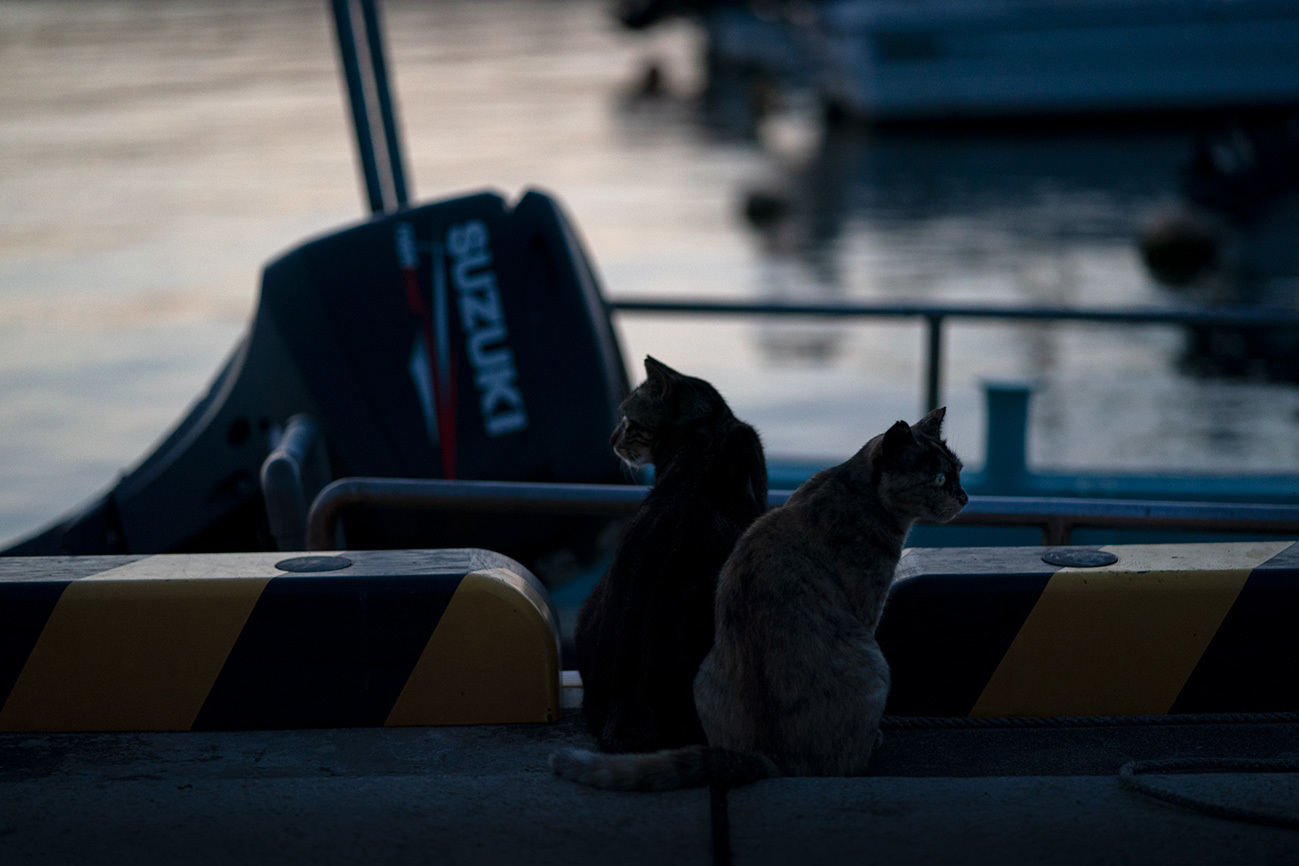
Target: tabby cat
649	622
796	684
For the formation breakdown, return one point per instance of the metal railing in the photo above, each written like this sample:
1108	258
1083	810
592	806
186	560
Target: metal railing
936	315
1056	517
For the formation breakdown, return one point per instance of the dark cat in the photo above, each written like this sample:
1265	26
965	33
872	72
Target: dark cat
649	622
795	683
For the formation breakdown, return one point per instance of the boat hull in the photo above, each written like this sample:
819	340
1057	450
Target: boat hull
952	61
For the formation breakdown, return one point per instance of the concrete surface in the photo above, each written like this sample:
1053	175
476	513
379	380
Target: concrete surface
484	795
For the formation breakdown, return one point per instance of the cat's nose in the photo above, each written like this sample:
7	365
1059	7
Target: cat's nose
964	498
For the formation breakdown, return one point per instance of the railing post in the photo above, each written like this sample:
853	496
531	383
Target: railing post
290	475
934	362
1057	531
1005	464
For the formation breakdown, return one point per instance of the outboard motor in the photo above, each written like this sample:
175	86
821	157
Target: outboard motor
463	339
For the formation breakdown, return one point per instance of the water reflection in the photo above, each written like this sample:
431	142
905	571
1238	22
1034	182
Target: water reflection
1002	216
1012	216
1237	230
153	155
932	216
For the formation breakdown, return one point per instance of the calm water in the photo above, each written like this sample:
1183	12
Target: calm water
154	154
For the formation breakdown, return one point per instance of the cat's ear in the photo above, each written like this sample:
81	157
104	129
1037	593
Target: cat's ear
660	375
932	424
897	439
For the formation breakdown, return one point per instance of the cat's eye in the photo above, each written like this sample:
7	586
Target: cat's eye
940	479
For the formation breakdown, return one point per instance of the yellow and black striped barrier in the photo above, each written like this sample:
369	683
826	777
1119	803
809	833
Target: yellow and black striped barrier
1182	628
274	640
249	641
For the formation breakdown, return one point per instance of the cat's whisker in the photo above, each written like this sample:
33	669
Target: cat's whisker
629	472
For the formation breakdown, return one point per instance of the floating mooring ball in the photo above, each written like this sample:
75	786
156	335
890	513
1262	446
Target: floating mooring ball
1178	248
763	208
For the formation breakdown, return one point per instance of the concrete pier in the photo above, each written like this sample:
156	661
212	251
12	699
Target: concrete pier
484	795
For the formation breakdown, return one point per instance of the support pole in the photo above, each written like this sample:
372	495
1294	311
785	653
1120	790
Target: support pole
374	118
383	90
934	362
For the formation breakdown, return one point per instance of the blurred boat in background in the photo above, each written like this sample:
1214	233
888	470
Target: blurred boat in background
945	60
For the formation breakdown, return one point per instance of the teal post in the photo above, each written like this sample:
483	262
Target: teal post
1006	448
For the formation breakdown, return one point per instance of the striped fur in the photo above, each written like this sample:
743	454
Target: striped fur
795	682
795	671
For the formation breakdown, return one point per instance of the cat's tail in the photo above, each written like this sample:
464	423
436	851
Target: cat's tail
688	767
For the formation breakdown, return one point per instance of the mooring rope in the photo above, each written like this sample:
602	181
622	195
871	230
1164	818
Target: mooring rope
1130	774
1131	771
921	722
